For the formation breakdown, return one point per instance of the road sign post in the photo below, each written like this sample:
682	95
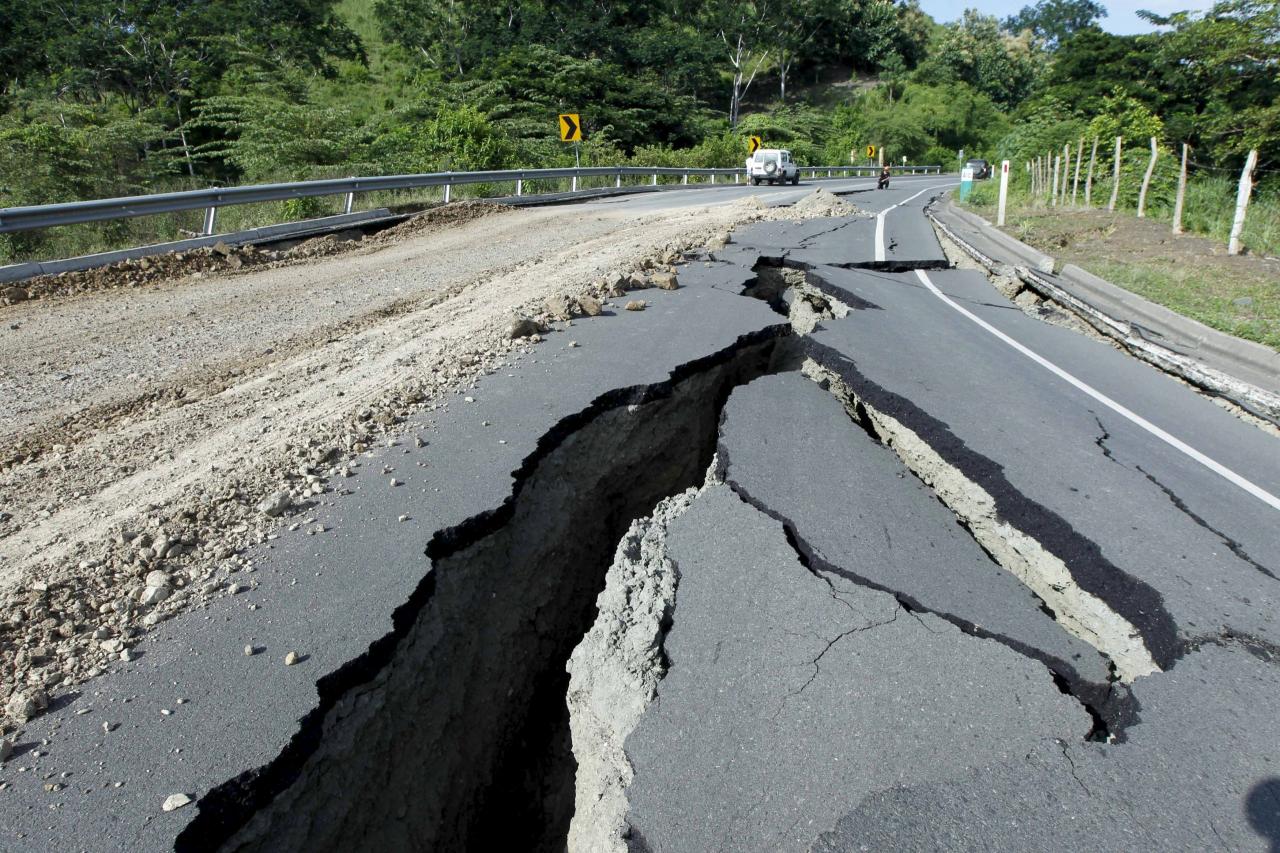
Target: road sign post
1004	192
571	131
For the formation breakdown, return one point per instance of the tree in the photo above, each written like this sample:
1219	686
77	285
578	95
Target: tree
1090	65
1052	22
1225	65
740	28
804	19
976	52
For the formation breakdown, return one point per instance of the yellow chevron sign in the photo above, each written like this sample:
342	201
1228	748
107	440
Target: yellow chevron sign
570	128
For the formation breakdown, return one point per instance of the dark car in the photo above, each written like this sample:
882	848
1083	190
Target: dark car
981	169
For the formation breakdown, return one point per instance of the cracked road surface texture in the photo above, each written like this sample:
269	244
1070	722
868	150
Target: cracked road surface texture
931	594
1155	536
788	695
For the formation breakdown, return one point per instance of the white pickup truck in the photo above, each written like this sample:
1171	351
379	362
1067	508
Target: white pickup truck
773	165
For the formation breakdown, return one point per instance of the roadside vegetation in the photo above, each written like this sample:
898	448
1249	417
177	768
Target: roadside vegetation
1189	273
102	98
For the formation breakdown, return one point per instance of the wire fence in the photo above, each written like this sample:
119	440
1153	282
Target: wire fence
1156	179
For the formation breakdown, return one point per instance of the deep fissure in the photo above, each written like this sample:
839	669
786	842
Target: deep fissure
452	731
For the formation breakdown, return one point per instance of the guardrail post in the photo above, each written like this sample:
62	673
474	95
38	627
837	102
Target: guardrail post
685	179
617	182
448	192
573	188
350	203
655	179
735	177
210	215
519	187
713	177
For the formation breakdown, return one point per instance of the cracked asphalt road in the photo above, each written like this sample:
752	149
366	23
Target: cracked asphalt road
1160	504
848	664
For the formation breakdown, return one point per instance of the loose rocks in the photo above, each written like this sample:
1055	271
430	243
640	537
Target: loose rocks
23	705
175	801
276	505
523	327
665	280
636	305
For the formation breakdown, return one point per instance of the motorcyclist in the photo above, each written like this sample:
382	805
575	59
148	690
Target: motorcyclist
883	183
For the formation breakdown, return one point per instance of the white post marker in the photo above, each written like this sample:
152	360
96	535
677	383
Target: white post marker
1066	172
1146	180
1075	181
1057	158
1182	193
1177	444
1115	176
1242	202
1088	181
1004	191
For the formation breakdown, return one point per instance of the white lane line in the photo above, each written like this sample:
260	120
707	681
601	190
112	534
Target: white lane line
882	214
1216	467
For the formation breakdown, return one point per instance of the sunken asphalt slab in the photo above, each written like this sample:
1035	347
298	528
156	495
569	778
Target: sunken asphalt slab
790	449
787	699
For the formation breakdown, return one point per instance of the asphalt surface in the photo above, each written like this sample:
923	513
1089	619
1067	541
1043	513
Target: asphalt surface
848	668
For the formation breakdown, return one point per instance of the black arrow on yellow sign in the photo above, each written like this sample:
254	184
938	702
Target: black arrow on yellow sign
570	128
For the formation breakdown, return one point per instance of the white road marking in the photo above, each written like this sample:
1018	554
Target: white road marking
1176	443
882	214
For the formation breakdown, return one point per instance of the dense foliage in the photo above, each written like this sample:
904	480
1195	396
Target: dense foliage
102	97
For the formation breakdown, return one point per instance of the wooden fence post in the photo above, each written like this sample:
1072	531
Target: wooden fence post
1146	181
1088	181
1066	170
1242	202
1115	177
1053	201
1075	182
1182	193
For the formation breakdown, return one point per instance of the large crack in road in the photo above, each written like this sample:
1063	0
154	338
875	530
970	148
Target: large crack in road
681	629
455	727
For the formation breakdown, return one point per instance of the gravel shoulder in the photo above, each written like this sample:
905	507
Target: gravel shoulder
145	432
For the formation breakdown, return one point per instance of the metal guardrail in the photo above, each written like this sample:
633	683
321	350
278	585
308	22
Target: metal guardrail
98	210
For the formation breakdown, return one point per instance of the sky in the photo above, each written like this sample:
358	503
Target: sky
1121	14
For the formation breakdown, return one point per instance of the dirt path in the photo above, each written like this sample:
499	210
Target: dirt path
140	429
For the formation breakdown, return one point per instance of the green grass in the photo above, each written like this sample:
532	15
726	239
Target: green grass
1213	303
1238	296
